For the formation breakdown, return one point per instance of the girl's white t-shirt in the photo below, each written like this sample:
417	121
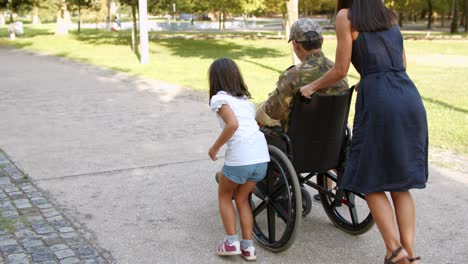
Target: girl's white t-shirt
248	145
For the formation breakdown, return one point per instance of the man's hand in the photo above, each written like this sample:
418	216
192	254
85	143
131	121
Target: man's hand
307	90
212	153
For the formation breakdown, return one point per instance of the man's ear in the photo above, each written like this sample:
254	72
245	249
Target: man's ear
295	44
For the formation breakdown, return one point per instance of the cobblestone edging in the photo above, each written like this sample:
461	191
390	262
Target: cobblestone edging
32	230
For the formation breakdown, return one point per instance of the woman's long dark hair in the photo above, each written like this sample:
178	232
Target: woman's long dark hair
224	75
368	15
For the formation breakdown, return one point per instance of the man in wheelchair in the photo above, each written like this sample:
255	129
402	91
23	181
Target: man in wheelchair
306	40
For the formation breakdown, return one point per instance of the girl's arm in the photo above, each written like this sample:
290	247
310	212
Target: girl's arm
342	58
232	124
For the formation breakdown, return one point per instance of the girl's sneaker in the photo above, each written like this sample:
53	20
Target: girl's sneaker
227	249
249	253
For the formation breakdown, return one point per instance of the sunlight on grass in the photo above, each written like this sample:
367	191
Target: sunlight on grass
438	67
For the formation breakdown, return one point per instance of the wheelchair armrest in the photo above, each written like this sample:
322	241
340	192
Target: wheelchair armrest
277	131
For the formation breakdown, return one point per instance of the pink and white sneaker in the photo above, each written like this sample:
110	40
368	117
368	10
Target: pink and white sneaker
227	249
249	253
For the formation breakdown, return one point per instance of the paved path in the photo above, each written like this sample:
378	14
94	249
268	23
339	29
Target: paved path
33	230
125	161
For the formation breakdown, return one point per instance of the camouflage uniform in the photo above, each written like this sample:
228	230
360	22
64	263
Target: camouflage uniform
275	111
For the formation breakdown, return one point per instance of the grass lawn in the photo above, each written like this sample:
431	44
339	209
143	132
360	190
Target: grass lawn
439	67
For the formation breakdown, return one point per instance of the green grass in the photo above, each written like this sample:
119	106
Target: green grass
438	67
7	224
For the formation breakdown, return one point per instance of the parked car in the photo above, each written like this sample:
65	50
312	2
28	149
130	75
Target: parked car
205	17
186	17
189	17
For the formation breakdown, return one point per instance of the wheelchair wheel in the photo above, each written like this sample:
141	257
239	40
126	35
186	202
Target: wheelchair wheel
306	202
277	204
353	216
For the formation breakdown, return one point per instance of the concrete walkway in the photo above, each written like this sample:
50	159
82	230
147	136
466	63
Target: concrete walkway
32	230
125	159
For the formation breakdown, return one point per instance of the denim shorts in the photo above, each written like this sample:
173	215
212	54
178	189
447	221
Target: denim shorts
241	174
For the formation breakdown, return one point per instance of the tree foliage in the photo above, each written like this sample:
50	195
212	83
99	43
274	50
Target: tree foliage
16	6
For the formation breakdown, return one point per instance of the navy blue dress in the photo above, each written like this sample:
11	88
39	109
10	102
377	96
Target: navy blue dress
390	139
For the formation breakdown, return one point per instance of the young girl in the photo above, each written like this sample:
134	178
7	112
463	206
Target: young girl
246	158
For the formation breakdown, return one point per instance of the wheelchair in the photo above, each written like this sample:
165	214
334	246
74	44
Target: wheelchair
316	144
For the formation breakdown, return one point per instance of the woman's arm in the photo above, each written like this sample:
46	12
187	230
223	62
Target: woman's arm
342	58
232	124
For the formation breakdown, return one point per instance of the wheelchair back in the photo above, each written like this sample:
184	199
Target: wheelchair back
318	131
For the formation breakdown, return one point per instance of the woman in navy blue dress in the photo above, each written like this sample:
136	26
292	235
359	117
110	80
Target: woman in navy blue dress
390	139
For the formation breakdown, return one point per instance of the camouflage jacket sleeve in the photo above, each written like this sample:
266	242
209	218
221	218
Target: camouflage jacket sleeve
276	107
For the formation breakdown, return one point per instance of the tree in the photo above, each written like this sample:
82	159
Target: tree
16	6
399	7
2	18
293	14
465	13
79	5
43	8
429	18
63	18
310	7
250	7
133	4
35	16
223	8
454	24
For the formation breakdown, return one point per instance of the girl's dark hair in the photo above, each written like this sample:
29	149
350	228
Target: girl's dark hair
224	75
369	15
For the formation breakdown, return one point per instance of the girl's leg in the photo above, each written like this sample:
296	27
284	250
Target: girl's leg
226	208
382	212
243	207
405	215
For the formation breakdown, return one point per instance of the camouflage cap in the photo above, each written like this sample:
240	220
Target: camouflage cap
305	29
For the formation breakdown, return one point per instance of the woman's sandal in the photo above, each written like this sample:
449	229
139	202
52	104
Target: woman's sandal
414	259
394	255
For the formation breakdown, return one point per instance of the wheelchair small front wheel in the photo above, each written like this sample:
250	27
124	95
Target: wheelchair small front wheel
353	216
306	202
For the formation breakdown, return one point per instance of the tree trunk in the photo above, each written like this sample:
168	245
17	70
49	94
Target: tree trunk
62	23
224	20
10	8
79	18
134	29
219	20
429	19
400	19
466	15
454	24
285	20
35	17
11	27
108	18
293	14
